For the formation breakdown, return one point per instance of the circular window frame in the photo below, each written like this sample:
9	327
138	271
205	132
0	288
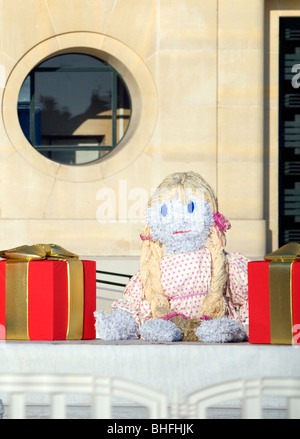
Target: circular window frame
70	64
141	88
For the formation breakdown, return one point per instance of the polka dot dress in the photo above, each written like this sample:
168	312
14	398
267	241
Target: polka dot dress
186	281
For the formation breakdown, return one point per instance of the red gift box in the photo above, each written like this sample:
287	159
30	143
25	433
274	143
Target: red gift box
47	300
274	297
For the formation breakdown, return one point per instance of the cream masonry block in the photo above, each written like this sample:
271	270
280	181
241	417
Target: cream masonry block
240	190
144	78
83	41
185	134
24	190
88	237
272	90
273	173
132	21
273	137
136	181
247	237
139	175
79	174
79	15
188	24
39	53
123	199
84	237
135	22
15	232
273	235
24	24
239	135
241	24
272	16
6	66
73	200
240	78
186	78
6	149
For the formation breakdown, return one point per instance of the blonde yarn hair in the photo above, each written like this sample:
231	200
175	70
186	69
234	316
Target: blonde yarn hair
214	304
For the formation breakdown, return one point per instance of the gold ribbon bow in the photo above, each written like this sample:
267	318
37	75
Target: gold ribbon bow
37	252
280	290
16	295
287	253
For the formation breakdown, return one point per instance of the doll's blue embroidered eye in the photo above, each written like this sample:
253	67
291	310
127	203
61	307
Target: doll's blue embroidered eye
164	210
191	207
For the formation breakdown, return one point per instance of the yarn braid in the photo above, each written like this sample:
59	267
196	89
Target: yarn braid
151	256
214	304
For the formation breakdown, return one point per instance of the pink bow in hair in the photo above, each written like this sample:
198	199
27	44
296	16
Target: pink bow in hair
221	222
146	237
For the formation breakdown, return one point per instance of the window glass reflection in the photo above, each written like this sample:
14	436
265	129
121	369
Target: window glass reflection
74	108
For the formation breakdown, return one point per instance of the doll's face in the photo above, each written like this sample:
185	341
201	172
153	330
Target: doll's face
181	227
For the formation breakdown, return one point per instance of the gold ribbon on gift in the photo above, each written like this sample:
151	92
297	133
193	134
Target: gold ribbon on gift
16	304
17	282
280	290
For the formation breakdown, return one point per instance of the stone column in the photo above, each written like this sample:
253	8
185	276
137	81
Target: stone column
240	125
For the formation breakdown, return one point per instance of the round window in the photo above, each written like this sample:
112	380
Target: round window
74	108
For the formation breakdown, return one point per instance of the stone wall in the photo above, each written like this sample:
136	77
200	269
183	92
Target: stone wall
195	73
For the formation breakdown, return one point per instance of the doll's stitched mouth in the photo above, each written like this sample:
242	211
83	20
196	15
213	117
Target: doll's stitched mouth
182	231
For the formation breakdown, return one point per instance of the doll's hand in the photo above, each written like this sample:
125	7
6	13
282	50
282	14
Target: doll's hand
159	306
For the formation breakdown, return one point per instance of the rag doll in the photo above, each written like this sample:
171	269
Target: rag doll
195	291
